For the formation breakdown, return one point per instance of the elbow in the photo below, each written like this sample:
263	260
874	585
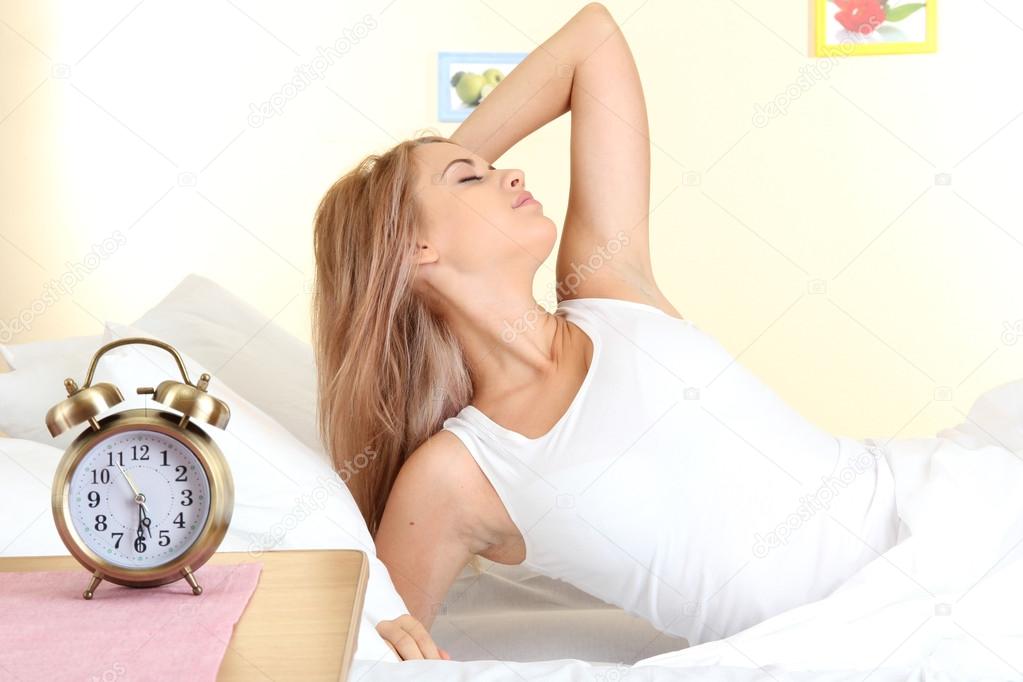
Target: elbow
598	22
596	8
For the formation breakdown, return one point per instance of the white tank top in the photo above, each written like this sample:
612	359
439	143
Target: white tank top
679	487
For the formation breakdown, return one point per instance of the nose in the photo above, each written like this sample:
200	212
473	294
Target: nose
516	179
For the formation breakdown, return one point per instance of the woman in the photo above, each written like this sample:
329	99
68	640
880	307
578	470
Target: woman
612	444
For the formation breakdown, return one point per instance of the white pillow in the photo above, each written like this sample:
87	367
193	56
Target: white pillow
286	495
243	347
73	352
26	394
259	359
26	523
37	381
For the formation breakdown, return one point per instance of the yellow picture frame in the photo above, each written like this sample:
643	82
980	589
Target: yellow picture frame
865	33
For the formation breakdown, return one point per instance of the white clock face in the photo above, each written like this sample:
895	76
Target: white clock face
139	498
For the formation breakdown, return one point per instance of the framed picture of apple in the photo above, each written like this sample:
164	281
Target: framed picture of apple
464	79
863	27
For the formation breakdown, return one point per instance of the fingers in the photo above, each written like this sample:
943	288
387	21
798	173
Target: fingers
400	640
407	647
422	638
409	639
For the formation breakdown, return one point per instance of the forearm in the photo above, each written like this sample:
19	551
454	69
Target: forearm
538	89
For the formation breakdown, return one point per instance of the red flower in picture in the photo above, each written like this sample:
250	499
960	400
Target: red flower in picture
861	16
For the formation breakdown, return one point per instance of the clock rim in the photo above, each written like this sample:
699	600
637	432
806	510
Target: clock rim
221	503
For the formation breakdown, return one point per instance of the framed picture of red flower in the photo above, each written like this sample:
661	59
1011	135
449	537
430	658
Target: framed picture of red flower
862	27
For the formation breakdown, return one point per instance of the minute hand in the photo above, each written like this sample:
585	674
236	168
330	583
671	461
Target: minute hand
139	497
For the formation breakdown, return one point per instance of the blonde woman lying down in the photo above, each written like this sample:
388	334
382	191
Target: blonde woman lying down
613	444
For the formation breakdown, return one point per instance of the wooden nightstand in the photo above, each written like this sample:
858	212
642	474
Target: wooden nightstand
307	603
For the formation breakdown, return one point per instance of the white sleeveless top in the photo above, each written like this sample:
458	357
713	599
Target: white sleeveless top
679	487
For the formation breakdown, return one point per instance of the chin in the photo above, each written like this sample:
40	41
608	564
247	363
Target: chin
543	235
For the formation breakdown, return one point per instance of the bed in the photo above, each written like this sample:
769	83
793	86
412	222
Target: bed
931	606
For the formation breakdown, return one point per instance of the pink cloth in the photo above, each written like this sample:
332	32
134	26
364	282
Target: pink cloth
49	632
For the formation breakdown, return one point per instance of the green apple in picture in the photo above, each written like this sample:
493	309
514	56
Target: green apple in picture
486	90
493	75
468	86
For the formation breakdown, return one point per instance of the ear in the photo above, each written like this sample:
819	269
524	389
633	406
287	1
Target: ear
425	254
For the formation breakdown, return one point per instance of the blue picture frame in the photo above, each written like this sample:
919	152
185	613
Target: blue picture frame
449	106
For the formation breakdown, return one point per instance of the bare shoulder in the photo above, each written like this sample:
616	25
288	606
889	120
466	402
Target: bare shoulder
427	534
442	467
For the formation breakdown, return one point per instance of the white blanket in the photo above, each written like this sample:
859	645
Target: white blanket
945	603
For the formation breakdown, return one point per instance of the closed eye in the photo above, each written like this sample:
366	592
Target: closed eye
474	177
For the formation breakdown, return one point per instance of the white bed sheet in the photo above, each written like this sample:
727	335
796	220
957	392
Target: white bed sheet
570	670
510	613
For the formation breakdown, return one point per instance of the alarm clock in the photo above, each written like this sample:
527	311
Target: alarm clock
142	497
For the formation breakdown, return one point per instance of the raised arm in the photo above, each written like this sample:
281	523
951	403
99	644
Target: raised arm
605	248
585	67
538	89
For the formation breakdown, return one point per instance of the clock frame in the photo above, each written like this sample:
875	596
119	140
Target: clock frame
194	404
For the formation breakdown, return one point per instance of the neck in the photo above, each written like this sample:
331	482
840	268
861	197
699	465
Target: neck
508	340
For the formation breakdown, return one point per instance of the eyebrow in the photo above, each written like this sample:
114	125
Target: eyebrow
468	161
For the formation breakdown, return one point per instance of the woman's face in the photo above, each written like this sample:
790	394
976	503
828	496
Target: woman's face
471	225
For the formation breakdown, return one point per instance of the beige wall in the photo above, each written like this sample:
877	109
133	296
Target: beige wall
129	160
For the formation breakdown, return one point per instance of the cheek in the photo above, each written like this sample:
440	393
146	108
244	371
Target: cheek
473	246
477	245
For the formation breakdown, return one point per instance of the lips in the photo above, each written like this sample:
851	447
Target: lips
521	199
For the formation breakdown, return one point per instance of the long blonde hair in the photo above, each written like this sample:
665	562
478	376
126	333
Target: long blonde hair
389	371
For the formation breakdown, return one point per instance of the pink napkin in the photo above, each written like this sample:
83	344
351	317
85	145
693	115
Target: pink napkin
49	632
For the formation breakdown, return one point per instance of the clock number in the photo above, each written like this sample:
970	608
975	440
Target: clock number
118	536
187	500
120	459
179	520
104	476
164	453
101	522
181	469
93	499
135	455
140	544
164	535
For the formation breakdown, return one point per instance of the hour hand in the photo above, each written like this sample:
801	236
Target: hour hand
145	520
138	532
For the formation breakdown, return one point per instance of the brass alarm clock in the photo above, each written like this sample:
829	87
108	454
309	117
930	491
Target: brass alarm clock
141	497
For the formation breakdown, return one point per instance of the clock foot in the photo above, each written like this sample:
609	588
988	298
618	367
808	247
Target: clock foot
196	587
96	579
